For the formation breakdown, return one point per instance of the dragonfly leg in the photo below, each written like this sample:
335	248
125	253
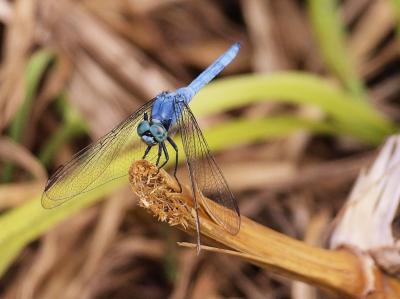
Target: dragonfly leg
198	245
146	152
175	147
164	148
145	116
196	208
159	154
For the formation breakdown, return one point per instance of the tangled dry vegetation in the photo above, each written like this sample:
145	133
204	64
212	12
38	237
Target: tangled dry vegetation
94	62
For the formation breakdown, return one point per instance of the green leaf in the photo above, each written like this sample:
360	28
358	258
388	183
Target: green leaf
355	117
331	37
34	73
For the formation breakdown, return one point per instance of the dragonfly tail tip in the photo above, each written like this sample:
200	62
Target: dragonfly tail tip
237	45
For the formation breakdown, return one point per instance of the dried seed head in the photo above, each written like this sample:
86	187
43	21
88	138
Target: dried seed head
160	195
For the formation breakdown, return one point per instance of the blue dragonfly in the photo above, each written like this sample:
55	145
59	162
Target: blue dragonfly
153	126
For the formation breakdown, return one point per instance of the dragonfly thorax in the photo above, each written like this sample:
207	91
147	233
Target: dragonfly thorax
152	132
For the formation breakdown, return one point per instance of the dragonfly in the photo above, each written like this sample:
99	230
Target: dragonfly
153	127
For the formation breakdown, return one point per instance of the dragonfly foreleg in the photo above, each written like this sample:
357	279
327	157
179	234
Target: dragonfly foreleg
145	116
146	152
175	147
159	154
164	148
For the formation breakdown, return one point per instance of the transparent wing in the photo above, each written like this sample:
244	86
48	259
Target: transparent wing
92	166
205	173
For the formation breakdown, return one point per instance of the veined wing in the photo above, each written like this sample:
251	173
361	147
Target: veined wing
92	166
205	174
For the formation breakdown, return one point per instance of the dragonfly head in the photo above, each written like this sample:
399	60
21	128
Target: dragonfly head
152	132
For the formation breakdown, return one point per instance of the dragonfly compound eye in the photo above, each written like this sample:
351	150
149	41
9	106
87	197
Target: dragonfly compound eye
143	127
159	132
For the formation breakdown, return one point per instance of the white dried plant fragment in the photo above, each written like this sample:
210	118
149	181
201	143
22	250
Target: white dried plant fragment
366	221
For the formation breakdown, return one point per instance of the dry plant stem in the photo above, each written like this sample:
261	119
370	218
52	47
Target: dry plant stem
339	271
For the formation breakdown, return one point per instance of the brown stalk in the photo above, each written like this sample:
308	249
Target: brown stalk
339	271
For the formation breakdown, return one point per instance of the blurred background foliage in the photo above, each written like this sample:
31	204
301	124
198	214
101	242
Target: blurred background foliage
292	121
